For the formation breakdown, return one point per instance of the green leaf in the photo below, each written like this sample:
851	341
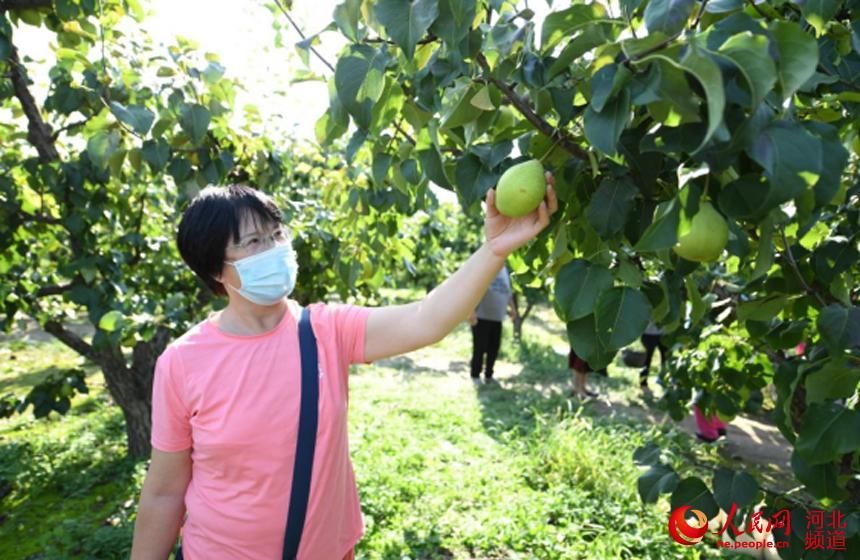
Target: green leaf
602	86
622	315
708	73
454	21
821	480
457	107
698	305
350	73
663	231
583	339
834	158
431	163
659	479
673	89
791	159
156	153
473	179
603	128
839	327
406	21
347	15
609	206
138	117
819	12
668	16
798	56
827	431
563	23
698	62
102	146
334	122
762	309
194	120
648	455
381	164
578	286
744	198
66	10
733	487
750	54
835	380
590	37
693	492
110	321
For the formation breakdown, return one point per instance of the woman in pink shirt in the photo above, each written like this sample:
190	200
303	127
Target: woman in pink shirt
226	394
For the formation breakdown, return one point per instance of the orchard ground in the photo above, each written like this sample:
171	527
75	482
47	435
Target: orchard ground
445	469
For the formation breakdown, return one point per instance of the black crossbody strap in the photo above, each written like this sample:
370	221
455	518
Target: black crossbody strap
307	438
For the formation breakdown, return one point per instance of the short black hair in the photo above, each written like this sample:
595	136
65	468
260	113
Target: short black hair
211	219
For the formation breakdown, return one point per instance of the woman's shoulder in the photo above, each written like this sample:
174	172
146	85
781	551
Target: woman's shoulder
193	338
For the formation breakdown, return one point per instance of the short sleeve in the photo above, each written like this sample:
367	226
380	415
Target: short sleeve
171	421
351	326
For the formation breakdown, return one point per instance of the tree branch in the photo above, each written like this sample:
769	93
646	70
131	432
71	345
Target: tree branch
42	219
70	339
24	4
523	107
794	267
302	35
52	290
39	133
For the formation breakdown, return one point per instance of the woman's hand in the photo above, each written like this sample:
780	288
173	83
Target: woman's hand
505	235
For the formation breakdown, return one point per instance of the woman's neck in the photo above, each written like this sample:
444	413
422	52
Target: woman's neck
250	319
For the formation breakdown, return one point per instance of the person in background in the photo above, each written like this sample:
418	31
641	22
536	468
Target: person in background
579	368
710	429
486	323
650	340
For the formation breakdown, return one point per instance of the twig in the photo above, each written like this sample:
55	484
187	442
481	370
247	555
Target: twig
404	133
59	131
523	107
302	35
796	270
700	14
757	9
666	42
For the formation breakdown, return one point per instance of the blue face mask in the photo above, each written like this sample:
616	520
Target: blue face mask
267	277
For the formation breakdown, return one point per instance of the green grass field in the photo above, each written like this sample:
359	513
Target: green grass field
445	469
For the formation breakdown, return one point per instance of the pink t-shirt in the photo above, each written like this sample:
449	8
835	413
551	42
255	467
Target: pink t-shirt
234	401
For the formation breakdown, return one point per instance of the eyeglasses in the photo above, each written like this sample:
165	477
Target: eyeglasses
258	241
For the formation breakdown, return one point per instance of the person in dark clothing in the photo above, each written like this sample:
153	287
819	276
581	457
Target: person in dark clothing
486	322
651	340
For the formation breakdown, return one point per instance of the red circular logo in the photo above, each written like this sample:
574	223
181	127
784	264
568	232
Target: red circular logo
683	532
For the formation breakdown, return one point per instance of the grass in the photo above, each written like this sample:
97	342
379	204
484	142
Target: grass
445	469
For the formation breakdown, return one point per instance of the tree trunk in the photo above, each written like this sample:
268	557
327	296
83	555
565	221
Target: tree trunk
138	426
126	386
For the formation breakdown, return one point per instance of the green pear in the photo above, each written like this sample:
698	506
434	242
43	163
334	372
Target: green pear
521	189
707	237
